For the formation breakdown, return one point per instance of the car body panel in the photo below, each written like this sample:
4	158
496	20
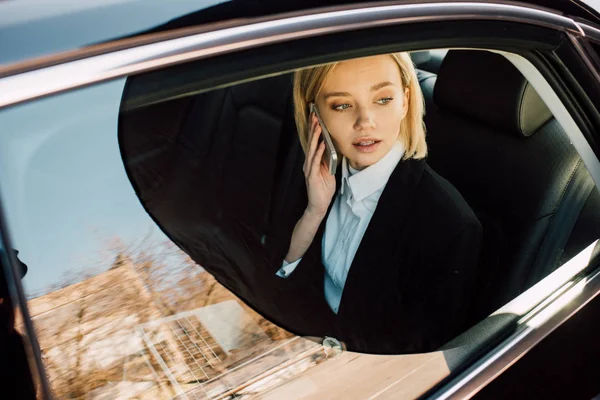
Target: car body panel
18	29
30	32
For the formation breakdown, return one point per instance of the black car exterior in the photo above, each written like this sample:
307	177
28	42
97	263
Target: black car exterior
88	34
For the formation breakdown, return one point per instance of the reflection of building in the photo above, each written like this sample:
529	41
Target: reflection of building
192	345
85	332
108	337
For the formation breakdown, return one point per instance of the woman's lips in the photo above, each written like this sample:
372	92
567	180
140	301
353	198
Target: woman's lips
366	146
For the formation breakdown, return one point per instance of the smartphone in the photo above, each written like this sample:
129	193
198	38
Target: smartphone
331	155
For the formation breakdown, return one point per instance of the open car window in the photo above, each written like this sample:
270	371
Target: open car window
155	212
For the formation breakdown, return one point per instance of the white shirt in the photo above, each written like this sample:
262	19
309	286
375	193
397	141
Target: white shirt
348	220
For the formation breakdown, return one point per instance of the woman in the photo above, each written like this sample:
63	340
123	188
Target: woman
384	254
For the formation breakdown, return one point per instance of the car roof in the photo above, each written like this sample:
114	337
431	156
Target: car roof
30	29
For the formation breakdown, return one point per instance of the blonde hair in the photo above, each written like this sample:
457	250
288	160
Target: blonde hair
309	81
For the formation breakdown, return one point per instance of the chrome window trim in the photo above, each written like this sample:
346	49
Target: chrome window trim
536	325
590	31
50	80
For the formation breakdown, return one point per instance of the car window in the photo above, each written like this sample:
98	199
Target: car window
155	234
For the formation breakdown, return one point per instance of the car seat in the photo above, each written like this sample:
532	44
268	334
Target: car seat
492	136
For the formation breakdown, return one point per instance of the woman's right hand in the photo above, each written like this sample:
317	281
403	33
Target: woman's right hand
320	184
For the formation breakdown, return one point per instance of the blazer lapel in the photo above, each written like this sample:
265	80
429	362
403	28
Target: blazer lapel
381	237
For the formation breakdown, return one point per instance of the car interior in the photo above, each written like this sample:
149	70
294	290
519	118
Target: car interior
214	170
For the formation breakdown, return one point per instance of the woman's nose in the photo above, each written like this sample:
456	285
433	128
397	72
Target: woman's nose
365	121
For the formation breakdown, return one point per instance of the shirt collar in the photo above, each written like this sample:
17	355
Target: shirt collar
364	183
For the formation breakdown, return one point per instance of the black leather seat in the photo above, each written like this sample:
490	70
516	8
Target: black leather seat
491	135
216	151
586	229
428	60
427	83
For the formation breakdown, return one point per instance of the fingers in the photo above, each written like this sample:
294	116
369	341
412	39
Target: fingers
316	163
309	150
315	133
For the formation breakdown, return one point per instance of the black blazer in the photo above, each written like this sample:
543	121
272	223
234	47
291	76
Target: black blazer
411	279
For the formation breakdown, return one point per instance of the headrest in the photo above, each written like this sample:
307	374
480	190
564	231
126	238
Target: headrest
420	57
488	88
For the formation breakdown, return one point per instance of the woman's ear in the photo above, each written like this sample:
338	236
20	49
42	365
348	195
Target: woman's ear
405	102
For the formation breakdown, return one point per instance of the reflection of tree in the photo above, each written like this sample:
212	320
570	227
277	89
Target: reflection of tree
86	324
86	319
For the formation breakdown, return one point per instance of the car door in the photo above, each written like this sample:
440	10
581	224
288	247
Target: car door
107	186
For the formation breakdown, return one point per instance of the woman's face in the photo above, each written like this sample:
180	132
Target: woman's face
362	103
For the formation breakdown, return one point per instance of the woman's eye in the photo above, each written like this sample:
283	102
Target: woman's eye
385	100
341	107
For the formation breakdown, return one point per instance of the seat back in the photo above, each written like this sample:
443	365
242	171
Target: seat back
217	153
204	168
492	136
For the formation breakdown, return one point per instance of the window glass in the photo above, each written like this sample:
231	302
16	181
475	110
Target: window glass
119	310
159	238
